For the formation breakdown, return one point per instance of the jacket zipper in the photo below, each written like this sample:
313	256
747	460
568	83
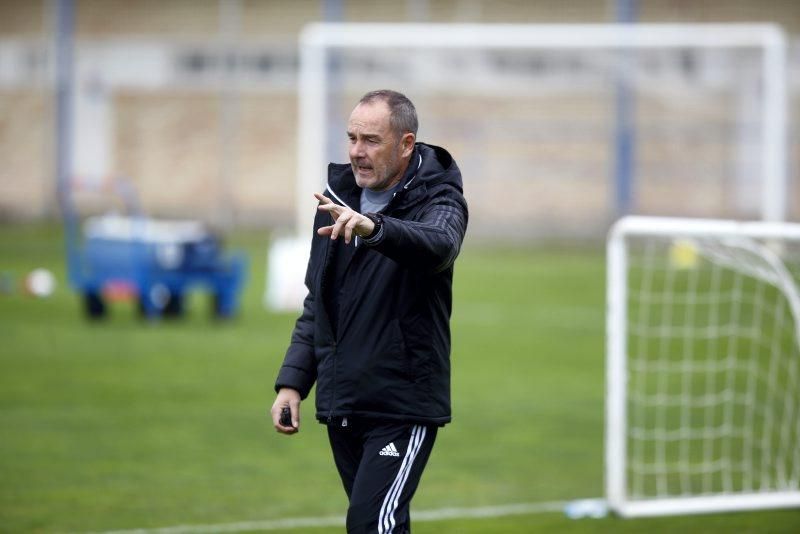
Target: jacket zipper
335	359
333	354
333	397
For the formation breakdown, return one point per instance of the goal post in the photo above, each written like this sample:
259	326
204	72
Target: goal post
703	366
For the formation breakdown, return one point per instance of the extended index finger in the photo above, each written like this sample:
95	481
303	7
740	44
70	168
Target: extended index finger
328	205
322	198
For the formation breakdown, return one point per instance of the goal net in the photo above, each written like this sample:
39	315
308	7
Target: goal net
703	369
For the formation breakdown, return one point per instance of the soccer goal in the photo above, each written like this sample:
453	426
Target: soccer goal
703	366
559	128
551	110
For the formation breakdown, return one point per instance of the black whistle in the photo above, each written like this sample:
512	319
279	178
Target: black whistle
286	416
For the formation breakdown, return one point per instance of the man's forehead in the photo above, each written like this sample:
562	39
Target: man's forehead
372	117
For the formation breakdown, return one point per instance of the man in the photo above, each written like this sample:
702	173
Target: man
374	333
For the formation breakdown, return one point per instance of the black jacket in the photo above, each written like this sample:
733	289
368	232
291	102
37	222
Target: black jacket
389	358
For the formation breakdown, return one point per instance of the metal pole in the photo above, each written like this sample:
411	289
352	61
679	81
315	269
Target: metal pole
625	121
64	67
334	12
229	109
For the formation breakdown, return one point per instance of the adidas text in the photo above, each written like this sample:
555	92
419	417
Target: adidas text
389	450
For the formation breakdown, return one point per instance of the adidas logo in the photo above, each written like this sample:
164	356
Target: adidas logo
389	450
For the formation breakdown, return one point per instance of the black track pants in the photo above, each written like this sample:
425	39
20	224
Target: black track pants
380	464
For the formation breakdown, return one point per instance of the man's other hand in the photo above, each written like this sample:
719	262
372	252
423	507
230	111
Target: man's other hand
287	397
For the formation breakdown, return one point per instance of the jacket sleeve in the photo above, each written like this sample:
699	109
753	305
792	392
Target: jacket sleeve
432	242
299	369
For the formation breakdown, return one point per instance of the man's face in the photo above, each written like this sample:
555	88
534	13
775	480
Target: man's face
379	156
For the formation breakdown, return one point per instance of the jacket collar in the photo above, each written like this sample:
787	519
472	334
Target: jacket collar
433	165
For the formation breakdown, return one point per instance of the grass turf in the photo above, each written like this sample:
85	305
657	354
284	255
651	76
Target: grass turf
128	424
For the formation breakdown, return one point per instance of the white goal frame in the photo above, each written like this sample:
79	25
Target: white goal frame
318	38
617	374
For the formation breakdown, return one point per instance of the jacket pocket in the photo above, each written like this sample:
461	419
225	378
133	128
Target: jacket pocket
325	379
397	357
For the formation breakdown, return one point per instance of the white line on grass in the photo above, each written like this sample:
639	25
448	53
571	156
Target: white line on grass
338	521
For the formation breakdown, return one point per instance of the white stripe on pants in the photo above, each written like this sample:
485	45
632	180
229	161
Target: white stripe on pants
386	521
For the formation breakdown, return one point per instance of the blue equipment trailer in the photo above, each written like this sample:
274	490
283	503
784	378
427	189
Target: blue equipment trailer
154	261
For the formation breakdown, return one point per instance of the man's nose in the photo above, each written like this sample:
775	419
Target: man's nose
357	149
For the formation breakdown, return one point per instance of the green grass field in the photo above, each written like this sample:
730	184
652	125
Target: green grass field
133	425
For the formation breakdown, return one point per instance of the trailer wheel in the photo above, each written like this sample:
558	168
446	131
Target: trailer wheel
218	309
94	306
174	306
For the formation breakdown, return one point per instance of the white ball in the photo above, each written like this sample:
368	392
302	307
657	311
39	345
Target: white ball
40	283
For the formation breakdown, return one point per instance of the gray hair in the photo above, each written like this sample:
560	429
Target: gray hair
402	113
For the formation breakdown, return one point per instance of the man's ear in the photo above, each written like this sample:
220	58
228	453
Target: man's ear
407	142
